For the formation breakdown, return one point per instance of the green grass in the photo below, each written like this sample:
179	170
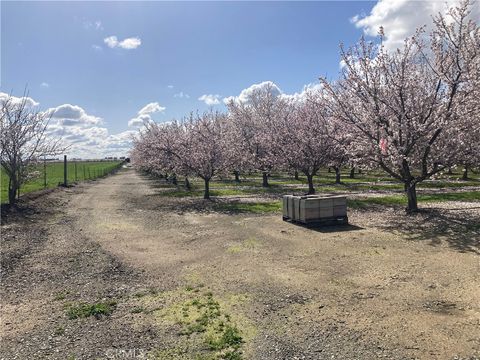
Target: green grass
54	170
256	208
392	200
84	310
204	315
281	183
60	296
230	337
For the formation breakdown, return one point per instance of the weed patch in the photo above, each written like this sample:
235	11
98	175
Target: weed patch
84	310
207	324
59	331
60	296
249	244
256	208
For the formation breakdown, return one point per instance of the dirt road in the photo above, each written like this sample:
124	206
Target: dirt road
366	291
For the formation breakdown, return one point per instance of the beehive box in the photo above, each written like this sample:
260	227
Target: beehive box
315	209
291	208
286	203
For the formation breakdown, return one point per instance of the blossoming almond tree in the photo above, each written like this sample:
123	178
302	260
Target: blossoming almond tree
302	138
204	150
254	122
402	108
156	147
23	140
339	142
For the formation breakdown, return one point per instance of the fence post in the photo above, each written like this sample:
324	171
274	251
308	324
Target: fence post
84	177
76	177
65	181
44	171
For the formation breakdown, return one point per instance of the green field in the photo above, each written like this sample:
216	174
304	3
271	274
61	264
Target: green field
76	171
281	183
454	189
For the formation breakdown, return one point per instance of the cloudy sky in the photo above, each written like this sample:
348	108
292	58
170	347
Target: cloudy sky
102	69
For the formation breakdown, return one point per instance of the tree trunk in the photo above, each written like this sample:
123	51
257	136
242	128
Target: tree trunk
265	179
237	177
329	170
450	172
359	171
174	180
352	172
187	184
12	196
412	198
465	173
337	175
311	189
206	195
296	175
12	191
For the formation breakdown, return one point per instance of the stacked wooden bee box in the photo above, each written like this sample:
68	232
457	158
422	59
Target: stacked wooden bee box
314	209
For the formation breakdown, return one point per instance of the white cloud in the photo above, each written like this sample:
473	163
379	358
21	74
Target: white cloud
210	99
111	41
170	86
144	116
246	94
302	96
140	120
73	115
181	95
45	84
81	132
97	47
150	108
29	102
128	43
401	18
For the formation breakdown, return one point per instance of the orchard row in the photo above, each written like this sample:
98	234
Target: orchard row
413	112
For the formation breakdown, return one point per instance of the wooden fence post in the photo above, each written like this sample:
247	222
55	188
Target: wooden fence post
76	177
65	180
44	171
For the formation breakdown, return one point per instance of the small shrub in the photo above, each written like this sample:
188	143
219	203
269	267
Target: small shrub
137	310
84	310
59	331
230	338
60	296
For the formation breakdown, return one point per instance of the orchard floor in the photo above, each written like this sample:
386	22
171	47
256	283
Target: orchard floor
388	286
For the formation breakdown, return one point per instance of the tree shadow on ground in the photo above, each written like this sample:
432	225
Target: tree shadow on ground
459	228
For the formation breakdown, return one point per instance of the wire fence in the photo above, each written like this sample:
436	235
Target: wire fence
52	173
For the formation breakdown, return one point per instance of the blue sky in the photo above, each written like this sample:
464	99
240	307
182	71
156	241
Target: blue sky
177	52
